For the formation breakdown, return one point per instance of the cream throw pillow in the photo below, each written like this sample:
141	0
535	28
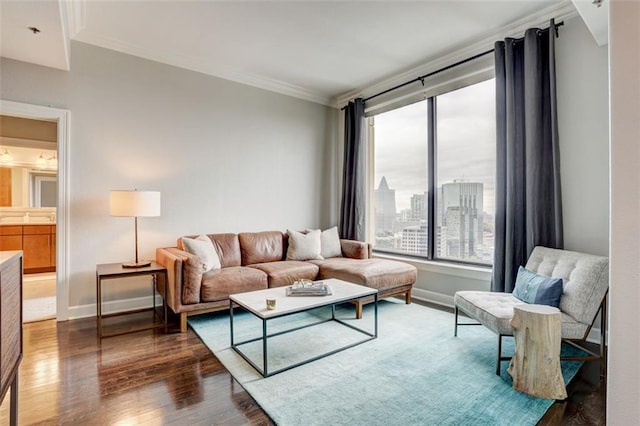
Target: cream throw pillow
330	243
304	246
204	249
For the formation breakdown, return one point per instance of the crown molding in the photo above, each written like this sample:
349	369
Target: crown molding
76	16
206	67
72	19
561	11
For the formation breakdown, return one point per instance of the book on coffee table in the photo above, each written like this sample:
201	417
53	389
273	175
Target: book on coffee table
317	288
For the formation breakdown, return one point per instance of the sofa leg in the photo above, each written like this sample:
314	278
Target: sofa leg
358	309
183	322
407	297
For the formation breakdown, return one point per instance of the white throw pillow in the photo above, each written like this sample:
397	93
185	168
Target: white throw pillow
304	246
204	249
330	243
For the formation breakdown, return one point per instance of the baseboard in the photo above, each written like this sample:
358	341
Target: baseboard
114	306
432	297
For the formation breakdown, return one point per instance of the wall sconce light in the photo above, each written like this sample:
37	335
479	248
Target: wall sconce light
5	157
53	161
41	162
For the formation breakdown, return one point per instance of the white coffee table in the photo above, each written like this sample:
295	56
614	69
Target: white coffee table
255	302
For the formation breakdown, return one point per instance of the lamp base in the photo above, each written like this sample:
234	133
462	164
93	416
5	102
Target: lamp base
140	264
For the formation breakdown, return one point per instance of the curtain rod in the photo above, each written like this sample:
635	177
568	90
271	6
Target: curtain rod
432	73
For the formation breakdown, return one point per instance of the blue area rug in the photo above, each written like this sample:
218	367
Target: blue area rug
414	373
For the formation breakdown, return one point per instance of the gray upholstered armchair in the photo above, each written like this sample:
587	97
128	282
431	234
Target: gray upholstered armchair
585	286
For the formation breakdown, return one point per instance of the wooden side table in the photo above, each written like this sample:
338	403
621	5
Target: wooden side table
109	271
535	366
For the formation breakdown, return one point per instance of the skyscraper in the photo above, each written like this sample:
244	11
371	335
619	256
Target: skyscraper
460	208
419	206
385	207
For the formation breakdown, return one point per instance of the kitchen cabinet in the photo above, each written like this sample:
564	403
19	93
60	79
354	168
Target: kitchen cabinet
10	238
38	243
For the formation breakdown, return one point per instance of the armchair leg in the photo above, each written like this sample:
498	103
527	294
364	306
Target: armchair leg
407	297
603	335
499	354
455	327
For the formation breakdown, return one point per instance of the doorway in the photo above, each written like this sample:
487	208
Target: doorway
46	282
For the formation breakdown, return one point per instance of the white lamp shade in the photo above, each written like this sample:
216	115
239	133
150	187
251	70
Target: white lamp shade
135	203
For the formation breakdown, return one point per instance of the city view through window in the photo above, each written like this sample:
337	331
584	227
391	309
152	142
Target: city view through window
465	150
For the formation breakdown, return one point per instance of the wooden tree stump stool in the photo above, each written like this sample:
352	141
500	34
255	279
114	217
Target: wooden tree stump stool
535	366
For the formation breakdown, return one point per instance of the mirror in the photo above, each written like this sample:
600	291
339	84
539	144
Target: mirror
27	187
28	164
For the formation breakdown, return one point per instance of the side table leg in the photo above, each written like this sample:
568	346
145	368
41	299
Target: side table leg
153	294
99	306
164	301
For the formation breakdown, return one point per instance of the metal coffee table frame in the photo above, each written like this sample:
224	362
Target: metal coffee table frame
265	371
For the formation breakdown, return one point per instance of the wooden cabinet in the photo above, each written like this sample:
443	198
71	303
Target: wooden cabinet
10	238
38	242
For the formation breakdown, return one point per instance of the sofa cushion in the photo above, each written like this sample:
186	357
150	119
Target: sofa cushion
287	271
220	283
304	246
228	247
204	249
261	247
381	274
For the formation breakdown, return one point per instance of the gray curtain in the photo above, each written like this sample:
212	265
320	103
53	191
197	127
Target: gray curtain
352	206
528	197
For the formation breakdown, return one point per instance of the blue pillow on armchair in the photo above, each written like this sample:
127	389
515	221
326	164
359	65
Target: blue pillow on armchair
538	289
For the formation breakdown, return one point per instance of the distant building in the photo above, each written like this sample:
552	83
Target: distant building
414	240
385	208
460	208
419	206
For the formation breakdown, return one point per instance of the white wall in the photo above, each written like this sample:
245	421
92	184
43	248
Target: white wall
583	110
623	381
582	92
226	157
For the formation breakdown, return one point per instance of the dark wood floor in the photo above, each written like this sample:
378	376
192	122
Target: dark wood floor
155	378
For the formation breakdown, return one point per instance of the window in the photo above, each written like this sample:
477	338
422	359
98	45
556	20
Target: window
434	171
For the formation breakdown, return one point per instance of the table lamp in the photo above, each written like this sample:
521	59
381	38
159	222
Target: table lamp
134	203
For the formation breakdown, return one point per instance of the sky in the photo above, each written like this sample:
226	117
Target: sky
466	146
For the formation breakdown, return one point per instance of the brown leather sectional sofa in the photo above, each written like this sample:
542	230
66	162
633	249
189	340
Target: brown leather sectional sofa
257	260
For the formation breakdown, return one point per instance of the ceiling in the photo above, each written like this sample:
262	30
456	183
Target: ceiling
316	50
